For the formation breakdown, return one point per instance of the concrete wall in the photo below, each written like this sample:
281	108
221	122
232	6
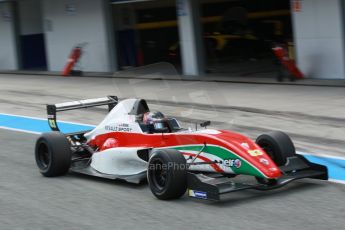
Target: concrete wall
30	17
319	38
69	22
192	47
8	46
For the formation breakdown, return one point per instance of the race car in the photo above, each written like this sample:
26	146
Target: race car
135	144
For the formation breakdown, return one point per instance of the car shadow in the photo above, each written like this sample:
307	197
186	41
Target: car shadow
107	181
243	197
231	199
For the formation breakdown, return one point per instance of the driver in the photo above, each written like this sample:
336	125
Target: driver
152	117
154	120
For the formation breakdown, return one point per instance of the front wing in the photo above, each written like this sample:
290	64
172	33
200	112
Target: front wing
212	188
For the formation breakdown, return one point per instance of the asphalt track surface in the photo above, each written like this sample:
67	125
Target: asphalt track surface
31	201
313	116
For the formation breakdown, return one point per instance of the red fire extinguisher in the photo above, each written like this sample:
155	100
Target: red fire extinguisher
287	62
73	59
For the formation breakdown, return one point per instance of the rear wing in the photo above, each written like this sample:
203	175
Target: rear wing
52	110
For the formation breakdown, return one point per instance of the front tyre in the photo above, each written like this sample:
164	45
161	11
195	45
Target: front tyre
167	174
279	146
53	154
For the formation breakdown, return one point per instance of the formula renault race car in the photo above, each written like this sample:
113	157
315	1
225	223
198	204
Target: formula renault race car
135	145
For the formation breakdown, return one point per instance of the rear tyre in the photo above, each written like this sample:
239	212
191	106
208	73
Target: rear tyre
279	146
167	174
53	154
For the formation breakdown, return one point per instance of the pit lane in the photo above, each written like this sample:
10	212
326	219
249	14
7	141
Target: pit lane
31	201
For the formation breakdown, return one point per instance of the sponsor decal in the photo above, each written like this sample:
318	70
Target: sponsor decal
118	128
264	161
223	153
255	153
273	169
52	124
245	145
233	163
197	194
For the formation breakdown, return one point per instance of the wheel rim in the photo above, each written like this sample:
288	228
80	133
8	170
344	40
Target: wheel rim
43	156
159	174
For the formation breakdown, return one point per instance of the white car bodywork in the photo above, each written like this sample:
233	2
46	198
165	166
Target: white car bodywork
125	161
118	120
119	161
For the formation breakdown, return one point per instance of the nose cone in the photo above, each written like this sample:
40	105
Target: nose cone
262	161
259	162
272	172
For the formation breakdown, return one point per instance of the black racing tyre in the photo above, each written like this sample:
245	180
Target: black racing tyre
167	174
277	145
53	154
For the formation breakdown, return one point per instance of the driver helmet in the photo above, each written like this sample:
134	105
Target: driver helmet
152	117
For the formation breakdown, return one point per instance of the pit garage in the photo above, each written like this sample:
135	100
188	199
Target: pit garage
239	35
236	35
221	37
144	31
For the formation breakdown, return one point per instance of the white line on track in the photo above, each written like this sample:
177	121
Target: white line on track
76	123
322	155
20	130
44	119
38	133
337	181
